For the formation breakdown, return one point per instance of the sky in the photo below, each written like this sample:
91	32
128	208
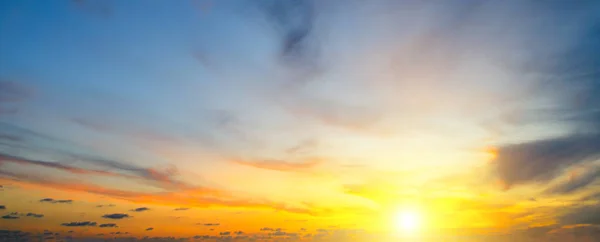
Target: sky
300	120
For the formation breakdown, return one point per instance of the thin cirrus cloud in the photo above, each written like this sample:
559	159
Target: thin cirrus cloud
280	165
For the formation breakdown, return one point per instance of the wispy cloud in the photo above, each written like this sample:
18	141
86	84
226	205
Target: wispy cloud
281	165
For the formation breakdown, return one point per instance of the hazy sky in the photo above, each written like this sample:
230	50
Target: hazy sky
300	120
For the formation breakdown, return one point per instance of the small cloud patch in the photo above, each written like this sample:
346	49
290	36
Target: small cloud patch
35	215
209	224
142	209
108	226
181	209
149	229
51	200
116	216
79	224
10	216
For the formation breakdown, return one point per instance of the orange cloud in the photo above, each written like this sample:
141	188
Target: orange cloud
279	165
192	197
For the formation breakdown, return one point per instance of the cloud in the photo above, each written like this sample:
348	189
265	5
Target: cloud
576	182
2	207
108	225
209	224
586	214
12	91
79	224
279	165
181	209
10	216
542	160
142	209
50	200
294	22
149	229
192	198
55	165
164	178
107	205
35	215
116	216
225	233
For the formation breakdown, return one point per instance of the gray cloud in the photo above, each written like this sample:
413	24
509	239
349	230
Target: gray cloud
35	215
110	225
142	209
576	182
181	209
588	214
542	160
149	229
116	216
79	224
51	200
10	216
2	207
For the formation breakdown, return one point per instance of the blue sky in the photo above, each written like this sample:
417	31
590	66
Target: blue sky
362	103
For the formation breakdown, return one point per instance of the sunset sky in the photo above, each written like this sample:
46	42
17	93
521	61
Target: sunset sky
292	120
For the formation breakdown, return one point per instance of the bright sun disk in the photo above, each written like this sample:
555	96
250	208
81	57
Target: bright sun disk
408	221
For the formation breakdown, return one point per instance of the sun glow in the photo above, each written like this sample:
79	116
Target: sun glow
408	221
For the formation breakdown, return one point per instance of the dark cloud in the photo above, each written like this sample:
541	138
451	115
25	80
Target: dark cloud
108	225
142	209
225	233
79	224
542	160
51	200
181	209
116	216
35	215
2	207
149	229
10	216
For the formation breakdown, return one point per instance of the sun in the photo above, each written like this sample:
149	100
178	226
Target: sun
408	221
